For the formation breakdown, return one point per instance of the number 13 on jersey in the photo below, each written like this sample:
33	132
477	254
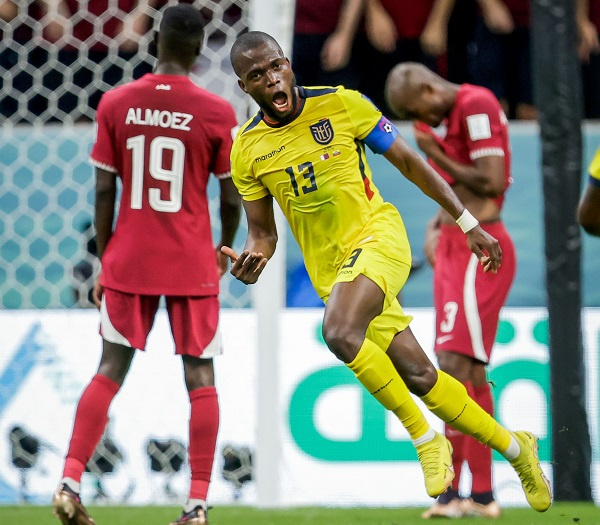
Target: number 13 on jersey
307	171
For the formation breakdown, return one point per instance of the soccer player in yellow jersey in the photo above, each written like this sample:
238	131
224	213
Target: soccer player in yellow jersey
306	149
588	212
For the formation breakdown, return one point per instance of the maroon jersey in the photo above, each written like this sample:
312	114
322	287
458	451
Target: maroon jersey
163	135
317	16
594	12
477	127
409	16
519	11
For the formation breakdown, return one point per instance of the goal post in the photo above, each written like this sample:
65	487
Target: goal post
275	17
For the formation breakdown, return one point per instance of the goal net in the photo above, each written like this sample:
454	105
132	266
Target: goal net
54	66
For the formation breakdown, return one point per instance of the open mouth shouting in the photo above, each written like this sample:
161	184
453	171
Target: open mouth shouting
282	103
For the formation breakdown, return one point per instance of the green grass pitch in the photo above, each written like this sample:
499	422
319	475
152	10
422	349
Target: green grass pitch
558	514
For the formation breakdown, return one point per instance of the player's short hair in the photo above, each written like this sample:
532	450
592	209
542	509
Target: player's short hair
247	41
182	25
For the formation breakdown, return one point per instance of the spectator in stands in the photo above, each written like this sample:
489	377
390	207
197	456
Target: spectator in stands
30	29
96	39
588	24
326	29
78	37
460	34
500	55
401	31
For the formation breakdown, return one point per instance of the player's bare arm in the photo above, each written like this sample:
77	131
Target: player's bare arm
485	176
106	192
432	237
588	212
415	169
260	244
230	210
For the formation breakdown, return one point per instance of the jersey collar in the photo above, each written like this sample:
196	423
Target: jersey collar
291	118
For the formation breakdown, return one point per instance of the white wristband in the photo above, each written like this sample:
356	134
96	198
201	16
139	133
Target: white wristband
466	221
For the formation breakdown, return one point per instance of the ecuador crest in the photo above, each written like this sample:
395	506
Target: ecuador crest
322	131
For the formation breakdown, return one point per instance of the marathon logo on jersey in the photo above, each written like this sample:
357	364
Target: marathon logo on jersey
269	155
157	118
322	131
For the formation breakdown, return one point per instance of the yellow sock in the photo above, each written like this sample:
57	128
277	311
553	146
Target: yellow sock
374	369
448	399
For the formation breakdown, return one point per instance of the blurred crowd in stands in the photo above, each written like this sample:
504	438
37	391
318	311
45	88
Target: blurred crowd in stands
349	42
483	42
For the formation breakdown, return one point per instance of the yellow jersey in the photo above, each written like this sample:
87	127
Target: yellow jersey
594	169
316	169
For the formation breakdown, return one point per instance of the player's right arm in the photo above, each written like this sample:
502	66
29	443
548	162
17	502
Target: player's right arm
258	205
260	243
106	192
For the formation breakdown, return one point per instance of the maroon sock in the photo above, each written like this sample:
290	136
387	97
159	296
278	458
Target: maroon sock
90	421
457	439
204	425
478	455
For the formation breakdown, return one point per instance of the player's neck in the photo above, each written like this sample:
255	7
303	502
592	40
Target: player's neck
171	68
291	116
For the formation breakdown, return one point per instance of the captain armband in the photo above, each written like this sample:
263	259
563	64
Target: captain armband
382	136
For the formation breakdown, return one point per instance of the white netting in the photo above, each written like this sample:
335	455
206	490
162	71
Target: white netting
52	76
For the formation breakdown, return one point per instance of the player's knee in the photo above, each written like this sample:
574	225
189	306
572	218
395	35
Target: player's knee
456	365
342	340
115	371
420	380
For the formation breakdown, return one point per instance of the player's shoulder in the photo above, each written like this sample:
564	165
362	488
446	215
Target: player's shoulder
470	94
251	124
121	92
329	93
318	91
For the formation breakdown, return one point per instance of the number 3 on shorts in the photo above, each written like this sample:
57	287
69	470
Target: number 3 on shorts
450	311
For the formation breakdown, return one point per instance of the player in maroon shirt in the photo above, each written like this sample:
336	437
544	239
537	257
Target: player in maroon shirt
474	157
162	136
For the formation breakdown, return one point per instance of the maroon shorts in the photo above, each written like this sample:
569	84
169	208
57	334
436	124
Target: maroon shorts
127	319
467	300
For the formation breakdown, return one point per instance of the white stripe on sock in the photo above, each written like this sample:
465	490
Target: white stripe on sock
425	438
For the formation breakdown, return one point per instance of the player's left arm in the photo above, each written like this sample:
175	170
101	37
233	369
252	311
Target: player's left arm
588	212
416	170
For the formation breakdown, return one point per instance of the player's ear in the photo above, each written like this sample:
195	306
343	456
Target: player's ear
426	88
242	86
153	47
